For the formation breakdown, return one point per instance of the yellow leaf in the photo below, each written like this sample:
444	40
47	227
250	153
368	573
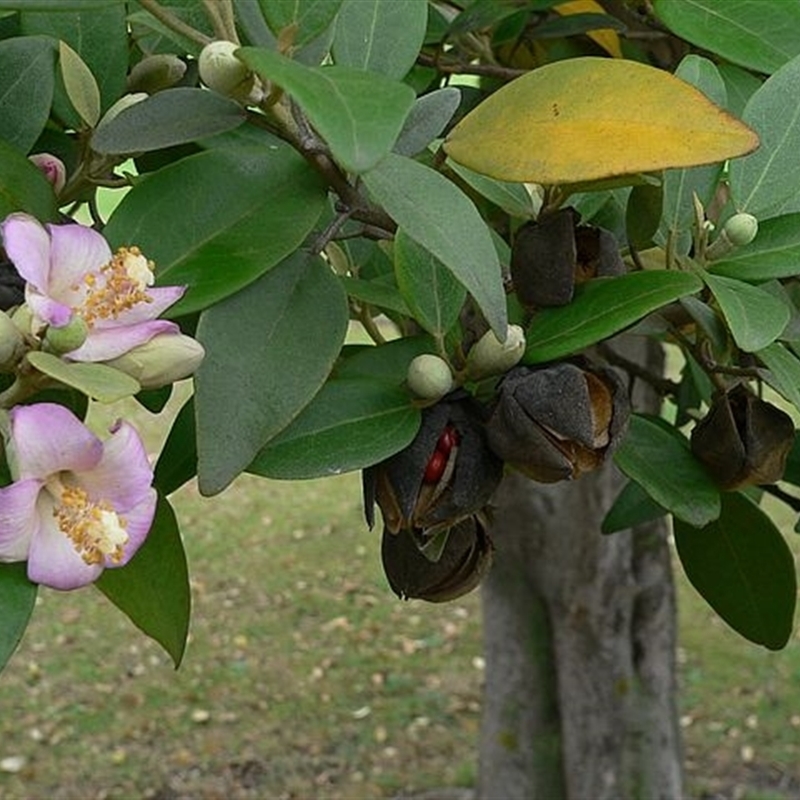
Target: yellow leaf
606	37
590	118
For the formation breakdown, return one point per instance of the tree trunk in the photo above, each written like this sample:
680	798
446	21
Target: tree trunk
580	630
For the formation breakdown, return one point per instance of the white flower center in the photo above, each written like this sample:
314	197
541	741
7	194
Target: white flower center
116	287
96	531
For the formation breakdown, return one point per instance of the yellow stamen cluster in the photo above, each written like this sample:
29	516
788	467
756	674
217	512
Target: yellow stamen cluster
96	531
118	286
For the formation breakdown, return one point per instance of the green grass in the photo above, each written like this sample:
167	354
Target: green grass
305	677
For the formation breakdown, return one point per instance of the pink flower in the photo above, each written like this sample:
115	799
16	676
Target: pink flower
70	271
78	504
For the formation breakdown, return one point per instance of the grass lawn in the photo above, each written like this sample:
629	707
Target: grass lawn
306	678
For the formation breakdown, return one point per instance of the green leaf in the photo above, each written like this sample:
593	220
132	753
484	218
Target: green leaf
379	36
269	349
308	18
436	215
680	185
80	84
760	36
17	599
755	317
27	80
744	569
98	381
601	308
429	289
349	425
168	118
774	253
359	114
23	187
385	362
783	373
177	462
586	119
513	198
657	457
57	5
427	119
251	207
740	84
765	183
152	589
632	507
379	293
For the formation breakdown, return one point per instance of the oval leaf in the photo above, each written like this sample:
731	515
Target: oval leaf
349	425
657	457
601	308
427	119
152	590
23	187
167	118
269	349
17	599
307	19
80	85
359	114
783	371
744	569
436	215
177	462
632	507
755	317
251	207
591	118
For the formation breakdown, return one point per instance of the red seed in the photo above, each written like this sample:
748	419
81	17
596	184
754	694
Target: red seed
435	468
448	440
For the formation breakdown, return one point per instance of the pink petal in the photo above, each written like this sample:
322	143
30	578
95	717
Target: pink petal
53	561
161	299
28	247
49	438
50	311
123	476
103	344
18	519
138	521
74	251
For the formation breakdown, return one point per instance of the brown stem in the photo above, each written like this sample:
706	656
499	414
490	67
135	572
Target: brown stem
663	386
175	23
457	68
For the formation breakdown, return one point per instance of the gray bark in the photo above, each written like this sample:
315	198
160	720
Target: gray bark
579	702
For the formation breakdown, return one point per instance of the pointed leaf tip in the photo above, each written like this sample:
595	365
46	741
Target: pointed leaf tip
592	118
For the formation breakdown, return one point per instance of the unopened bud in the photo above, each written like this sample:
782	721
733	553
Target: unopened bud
23	319
53	169
221	71
156	72
12	345
429	377
490	356
166	358
68	337
738	231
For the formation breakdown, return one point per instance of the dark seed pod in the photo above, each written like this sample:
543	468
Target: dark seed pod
557	422
597	254
464	560
743	440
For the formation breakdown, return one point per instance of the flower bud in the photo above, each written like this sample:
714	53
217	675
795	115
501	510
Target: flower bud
53	169
554	423
429	377
464	560
156	72
739	230
490	356
67	338
743	440
221	71
12	345
125	102
166	358
446	474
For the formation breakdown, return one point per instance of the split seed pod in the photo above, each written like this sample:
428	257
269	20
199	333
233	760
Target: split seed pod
555	423
743	440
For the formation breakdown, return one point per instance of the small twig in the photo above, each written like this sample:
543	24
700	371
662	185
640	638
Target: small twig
319	244
94	212
484	70
790	500
366	319
220	14
663	386
175	23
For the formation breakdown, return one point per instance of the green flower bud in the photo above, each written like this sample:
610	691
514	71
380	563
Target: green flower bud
490	356
67	338
23	319
166	358
12	345
221	71
738	231
429	377
156	72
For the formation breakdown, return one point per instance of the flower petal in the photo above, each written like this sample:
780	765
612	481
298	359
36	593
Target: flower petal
46	309
48	438
53	561
75	250
28	246
161	298
103	344
18	519
138	521
123	476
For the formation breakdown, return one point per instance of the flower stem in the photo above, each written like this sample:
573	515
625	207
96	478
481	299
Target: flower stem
175	23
